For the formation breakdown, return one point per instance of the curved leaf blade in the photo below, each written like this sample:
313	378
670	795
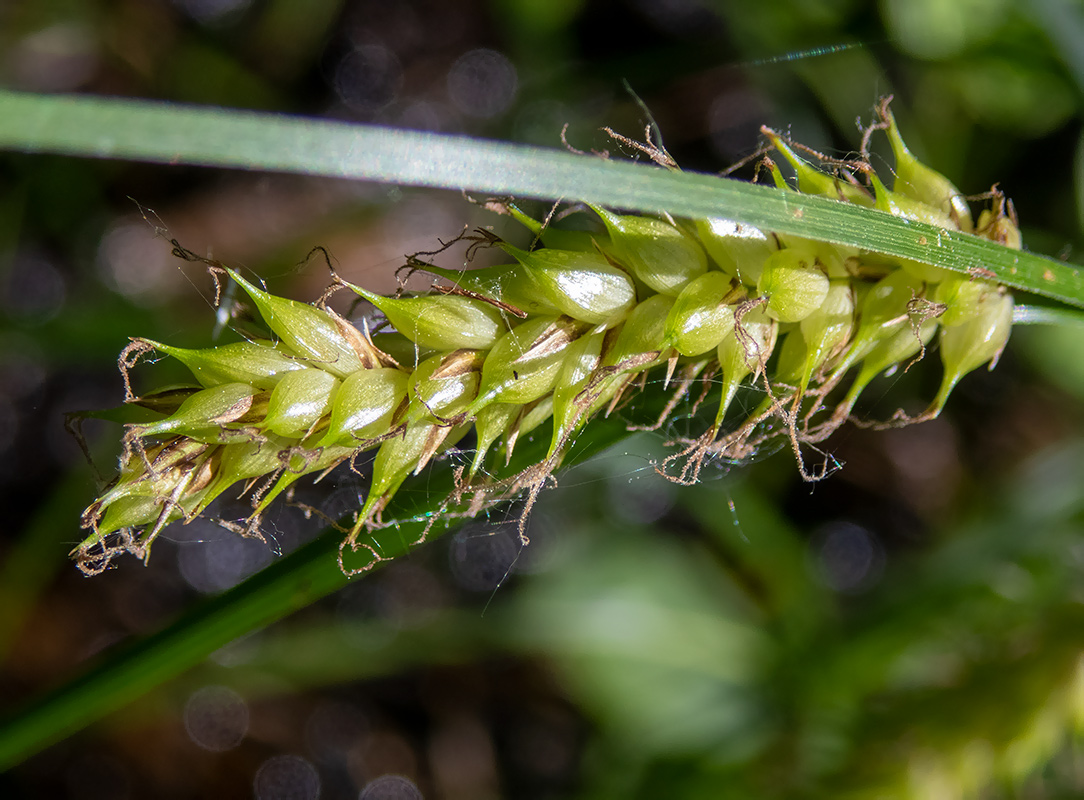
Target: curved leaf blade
177	134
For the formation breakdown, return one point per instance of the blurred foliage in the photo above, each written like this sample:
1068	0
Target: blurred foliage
910	627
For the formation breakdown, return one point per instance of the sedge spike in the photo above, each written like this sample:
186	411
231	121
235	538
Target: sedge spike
578	324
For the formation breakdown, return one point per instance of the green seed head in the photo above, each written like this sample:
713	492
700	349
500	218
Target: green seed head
917	181
654	251
204	414
312	333
569	330
583	285
793	284
366	406
740	250
299	401
812	181
523	366
441	321
257	364
701	315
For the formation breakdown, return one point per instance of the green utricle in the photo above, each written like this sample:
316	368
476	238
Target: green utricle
365	406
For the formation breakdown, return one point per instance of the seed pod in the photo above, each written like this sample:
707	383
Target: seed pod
140	507
365	406
505	283
258	364
443	386
441	321
299	400
998	227
203	414
835	261
583	285
884	311
790	364
917	181
489	424
795	288
813	181
140	497
524	364
969	345
744	352
530	417
569	410
739	249
637	346
241	462
165	401
319	460
902	206
654	251
964	298
401	455
558	238
827	330
701	316
643	333
312	333
889	352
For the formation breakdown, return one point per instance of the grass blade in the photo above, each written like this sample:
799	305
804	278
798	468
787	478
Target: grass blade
176	134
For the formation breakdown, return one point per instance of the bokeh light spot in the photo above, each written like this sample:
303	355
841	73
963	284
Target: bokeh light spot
368	78
482	83
286	777
480	557
34	291
390	787
216	718
133	262
847	557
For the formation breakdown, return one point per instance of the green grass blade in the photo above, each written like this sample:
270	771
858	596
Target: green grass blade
175	134
288	584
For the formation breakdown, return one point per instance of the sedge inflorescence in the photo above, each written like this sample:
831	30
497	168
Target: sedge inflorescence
566	330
